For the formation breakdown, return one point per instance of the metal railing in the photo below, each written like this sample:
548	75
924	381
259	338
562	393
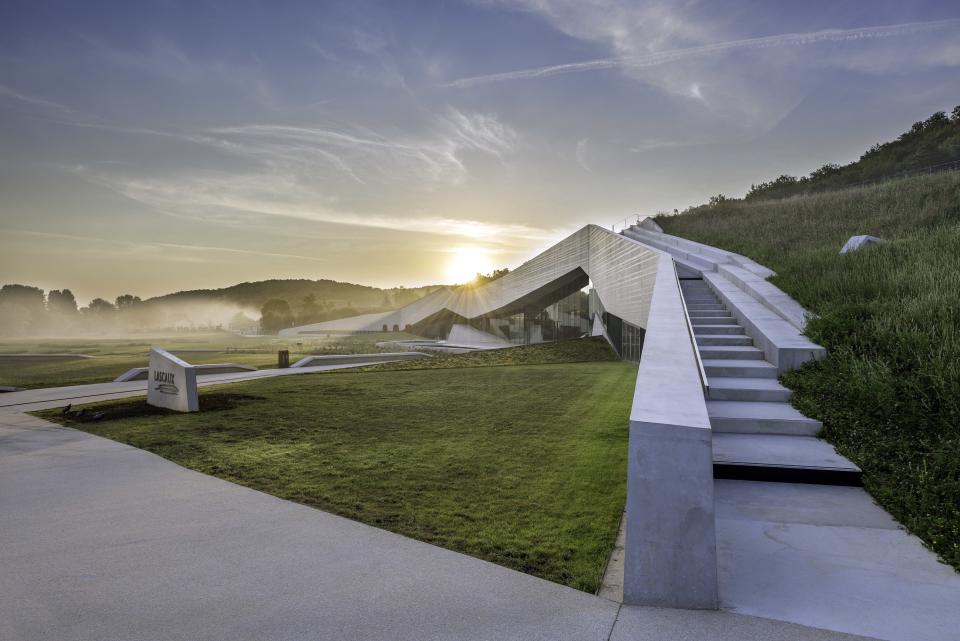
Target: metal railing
626	222
693	337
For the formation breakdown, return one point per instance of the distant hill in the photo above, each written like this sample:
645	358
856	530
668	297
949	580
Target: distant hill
335	294
30	310
929	142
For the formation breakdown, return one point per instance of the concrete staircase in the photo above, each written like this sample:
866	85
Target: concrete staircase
757	434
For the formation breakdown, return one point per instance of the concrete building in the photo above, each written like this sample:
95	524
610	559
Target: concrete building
592	279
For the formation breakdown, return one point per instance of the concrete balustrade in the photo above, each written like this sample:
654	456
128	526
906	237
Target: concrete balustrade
670	556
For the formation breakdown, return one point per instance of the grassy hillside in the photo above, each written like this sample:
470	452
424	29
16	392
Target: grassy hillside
889	391
929	142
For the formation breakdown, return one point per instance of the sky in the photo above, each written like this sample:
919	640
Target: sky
149	147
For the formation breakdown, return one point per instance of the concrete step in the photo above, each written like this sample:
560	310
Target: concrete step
731	352
738	369
700	299
713	320
707	313
723	339
717	329
781	459
706	307
747	417
760	390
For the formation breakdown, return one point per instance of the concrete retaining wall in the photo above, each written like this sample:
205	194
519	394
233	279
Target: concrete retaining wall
140	373
670	557
346	359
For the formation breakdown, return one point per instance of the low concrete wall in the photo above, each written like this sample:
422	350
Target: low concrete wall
782	342
41	358
140	373
346	359
670	556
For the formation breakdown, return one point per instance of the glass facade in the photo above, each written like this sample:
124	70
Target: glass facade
627	339
571	316
566	318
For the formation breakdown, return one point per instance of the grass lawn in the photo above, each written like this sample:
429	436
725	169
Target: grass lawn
521	465
889	390
114	356
571	351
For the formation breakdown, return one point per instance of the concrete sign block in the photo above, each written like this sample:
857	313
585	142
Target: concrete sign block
171	382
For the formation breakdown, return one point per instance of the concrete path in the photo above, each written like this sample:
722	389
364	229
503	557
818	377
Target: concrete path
100	541
36	399
830	557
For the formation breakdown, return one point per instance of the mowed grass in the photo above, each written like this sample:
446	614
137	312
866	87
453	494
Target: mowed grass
524	466
114	356
889	391
569	351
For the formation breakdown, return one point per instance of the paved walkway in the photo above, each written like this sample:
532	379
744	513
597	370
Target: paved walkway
100	541
36	399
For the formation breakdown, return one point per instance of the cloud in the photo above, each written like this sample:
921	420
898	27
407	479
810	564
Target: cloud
364	155
294	173
128	247
237	198
7	92
676	55
580	154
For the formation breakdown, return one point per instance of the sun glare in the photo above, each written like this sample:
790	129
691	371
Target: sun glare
465	263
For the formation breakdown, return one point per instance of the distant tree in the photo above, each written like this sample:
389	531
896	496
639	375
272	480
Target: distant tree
126	301
240	322
938	119
955	114
311	310
31	299
716	200
275	315
830	169
101	307
483	279
62	302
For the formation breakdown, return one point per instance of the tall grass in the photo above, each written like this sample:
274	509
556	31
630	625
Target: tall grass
889	390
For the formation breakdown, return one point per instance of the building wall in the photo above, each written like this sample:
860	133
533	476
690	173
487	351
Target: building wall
621	270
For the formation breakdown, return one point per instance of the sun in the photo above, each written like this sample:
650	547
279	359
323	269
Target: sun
465	263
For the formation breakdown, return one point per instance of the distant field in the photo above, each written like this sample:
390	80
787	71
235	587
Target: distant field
116	355
889	391
521	465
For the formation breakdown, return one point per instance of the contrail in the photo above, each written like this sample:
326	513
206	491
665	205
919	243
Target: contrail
663	57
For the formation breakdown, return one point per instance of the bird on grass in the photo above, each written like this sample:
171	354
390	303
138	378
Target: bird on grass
66	409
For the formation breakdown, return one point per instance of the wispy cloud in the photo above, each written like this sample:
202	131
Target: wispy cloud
8	92
142	246
237	199
674	55
581	154
355	151
294	168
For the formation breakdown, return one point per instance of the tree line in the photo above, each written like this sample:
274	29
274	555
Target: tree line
928	142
